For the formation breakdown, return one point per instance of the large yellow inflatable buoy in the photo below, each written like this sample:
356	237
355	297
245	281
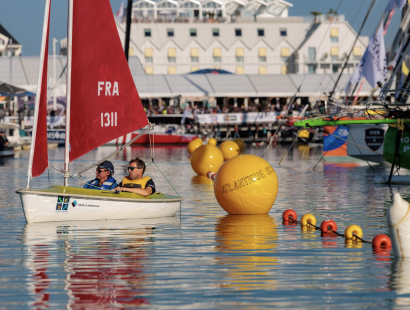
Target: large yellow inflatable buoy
194	144
206	158
212	141
240	143
229	149
246	184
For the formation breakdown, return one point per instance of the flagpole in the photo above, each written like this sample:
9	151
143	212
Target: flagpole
43	54
69	64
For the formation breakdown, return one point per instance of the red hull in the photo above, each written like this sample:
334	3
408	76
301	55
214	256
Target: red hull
158	139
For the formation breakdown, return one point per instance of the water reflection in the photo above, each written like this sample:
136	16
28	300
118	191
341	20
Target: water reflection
248	243
103	261
400	280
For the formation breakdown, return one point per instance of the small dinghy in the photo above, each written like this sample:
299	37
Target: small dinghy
102	105
6	153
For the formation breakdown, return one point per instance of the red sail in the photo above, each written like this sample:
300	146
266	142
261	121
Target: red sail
40	156
104	100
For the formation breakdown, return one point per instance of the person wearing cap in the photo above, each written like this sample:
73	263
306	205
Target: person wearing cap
3	139
104	179
135	182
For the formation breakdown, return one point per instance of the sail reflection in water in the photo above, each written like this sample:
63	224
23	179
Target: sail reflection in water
103	261
247	243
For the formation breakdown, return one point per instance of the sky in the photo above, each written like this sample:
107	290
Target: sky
24	18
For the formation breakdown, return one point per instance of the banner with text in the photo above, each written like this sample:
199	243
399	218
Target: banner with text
237	118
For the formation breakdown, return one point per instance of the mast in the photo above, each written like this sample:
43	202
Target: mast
43	54
69	62
128	30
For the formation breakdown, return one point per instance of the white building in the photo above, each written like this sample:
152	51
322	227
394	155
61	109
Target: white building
7	42
240	36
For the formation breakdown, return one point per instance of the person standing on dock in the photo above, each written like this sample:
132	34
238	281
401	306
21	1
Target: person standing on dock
135	182
104	179
3	139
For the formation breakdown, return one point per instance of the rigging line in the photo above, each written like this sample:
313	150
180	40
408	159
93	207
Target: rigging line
351	136
358	145
147	129
354	19
323	154
351	50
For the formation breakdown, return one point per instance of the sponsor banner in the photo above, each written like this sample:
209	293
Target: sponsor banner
11	119
52	121
236	118
55	135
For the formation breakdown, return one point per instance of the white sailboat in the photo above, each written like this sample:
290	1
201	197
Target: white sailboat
102	104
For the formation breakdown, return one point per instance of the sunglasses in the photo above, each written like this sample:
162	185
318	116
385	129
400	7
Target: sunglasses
132	168
99	170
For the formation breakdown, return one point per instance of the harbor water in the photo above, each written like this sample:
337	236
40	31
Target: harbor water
204	258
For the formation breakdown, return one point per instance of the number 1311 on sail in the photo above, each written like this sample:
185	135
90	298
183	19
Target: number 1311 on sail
109	119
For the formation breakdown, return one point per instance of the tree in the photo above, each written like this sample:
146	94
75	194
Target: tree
315	15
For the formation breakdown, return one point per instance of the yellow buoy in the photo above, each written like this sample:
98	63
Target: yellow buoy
240	143
308	218
246	184
206	158
212	141
352	231
194	144
229	149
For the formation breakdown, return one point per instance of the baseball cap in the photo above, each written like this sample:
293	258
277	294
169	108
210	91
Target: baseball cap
107	165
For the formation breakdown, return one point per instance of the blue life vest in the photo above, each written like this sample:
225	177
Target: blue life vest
109	184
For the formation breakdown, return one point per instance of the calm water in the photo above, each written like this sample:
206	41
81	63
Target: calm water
204	258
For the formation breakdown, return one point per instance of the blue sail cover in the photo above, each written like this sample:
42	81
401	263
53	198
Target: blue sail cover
331	142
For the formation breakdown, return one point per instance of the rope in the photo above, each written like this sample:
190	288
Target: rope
165	178
361	152
335	232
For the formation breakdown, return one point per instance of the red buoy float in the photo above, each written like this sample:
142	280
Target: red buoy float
289	215
381	242
328	226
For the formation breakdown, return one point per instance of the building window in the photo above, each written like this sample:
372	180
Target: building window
284	70
192	32
149	54
334	53
147	32
172	54
240	70
238	32
284	54
149	70
170	32
261	32
357	53
194	55
283	32
335	68
215	32
240	54
311	69
312	53
172	70
334	35
263	70
262	54
217	54
193	69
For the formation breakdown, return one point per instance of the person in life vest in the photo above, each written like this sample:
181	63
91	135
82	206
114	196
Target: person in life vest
104	179
135	182
3	140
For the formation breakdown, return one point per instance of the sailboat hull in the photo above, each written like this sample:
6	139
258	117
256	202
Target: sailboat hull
59	203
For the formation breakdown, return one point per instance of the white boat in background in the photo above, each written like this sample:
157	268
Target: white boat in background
102	104
16	141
